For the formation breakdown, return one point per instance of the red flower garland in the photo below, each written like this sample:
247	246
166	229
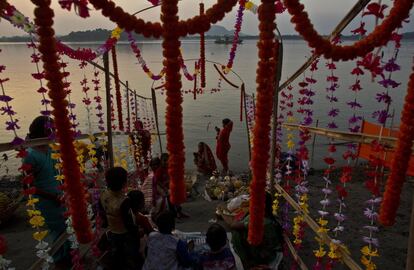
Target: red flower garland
197	24
73	187
391	198
268	55
117	89
379	37
202	53
174	111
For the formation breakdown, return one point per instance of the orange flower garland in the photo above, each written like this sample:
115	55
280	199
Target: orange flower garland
117	89
202	53
174	111
197	24
73	187
391	198
379	37
268	50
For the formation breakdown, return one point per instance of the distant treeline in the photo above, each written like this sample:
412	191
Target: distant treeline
103	34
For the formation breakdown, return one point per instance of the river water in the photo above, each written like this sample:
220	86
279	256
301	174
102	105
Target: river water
202	114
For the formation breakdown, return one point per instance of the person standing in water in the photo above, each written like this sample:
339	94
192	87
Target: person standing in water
223	143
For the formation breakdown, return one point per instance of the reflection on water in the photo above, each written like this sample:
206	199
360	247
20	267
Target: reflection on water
204	113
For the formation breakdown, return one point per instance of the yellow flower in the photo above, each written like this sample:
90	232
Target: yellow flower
55	147
37	221
291	119
249	5
92	139
369	265
32	213
116	33
60	177
320	252
39	236
32	202
322	222
322	230
297	241
304	197
290	144
58	166
55	156
366	251
333	251
290	136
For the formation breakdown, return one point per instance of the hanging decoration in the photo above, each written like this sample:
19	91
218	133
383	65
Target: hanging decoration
87	101
36	220
175	136
268	56
4	263
68	91
73	188
379	37
141	60
98	100
117	90
202	53
235	43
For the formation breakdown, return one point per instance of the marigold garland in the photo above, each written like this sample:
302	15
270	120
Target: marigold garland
73	187
117	89
268	55
402	155
379	37
197	24
174	115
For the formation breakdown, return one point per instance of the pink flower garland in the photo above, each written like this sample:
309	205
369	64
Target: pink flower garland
141	60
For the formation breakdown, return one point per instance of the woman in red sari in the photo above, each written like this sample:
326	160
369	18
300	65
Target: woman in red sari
204	159
223	143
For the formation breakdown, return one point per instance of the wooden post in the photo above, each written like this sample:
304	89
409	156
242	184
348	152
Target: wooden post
195	83
128	110
410	250
154	107
273	148
313	145
247	122
110	147
136	105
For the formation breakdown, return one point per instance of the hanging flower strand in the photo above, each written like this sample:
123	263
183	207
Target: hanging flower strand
141	60
73	188
268	55
117	90
237	28
174	116
98	99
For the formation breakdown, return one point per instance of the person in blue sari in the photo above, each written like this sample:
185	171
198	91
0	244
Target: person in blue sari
47	187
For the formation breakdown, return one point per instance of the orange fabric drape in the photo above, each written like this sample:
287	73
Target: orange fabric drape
364	150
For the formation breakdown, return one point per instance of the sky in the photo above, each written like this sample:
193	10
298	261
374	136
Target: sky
325	14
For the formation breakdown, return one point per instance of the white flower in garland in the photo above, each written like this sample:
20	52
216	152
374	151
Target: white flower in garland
4	263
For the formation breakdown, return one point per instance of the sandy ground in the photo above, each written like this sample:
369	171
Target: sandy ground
393	241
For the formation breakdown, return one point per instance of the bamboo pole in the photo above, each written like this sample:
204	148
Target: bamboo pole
128	109
313	145
136	104
356	9
110	148
345	257
273	148
388	142
294	254
154	107
247	122
410	250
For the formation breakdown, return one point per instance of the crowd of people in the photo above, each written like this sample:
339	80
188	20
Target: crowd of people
139	224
